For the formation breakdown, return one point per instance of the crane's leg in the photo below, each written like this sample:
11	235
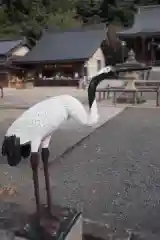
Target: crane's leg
34	159
45	157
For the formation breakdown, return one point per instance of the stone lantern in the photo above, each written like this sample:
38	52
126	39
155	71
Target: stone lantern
132	71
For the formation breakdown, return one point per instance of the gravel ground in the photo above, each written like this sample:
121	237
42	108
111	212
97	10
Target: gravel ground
113	175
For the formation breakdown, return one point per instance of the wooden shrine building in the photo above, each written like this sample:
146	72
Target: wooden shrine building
64	57
11	49
144	36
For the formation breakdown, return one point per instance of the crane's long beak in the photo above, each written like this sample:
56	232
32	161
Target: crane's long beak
95	81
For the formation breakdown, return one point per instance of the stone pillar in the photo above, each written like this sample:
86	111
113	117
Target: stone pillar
131	77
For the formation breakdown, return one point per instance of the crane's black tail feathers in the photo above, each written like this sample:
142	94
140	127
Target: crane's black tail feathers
14	151
25	150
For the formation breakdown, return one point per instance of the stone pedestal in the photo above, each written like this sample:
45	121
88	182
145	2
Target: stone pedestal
130	98
131	77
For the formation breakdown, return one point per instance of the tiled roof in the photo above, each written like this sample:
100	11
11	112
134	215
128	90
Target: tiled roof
74	44
146	22
7	45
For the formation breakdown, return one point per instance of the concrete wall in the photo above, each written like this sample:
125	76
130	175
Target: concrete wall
92	65
21	51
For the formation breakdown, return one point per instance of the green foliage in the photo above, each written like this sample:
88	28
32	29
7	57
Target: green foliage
63	21
30	17
118	11
89	10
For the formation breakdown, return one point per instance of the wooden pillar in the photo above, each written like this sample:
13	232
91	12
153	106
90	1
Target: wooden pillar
143	49
38	70
135	48
152	51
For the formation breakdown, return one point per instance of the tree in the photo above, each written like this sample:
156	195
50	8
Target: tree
89	10
30	17
116	11
63	20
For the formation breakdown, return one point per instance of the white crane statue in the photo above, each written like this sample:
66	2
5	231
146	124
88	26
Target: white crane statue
33	129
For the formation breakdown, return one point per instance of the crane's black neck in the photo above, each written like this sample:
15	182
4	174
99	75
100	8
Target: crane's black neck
94	83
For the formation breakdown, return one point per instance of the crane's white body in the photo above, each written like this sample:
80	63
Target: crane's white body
37	123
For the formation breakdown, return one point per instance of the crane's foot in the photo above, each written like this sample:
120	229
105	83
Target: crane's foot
51	227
